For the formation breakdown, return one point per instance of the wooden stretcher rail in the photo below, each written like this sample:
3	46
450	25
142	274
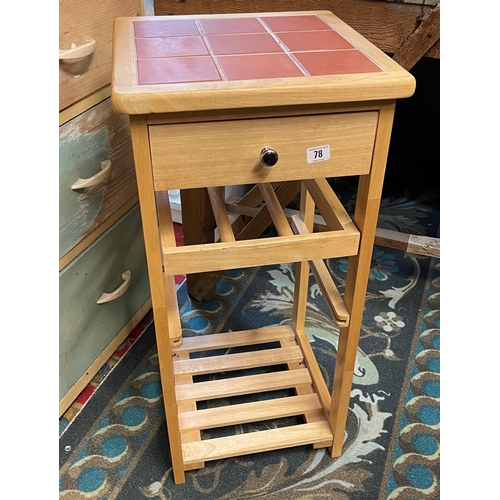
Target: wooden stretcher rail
236	339
260	252
255	442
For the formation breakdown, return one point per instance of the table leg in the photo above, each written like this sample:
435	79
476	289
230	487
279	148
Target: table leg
365	218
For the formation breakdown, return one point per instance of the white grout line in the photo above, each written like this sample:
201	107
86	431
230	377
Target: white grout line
209	47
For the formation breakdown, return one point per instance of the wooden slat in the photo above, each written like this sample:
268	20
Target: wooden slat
191	435
254	197
255	411
325	281
236	339
239	361
275	209
314	369
301	289
216	195
261	252
285	194
411	243
254	442
237	386
329	205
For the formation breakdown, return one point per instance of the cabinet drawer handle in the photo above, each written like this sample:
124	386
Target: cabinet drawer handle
95	179
268	157
77	52
108	297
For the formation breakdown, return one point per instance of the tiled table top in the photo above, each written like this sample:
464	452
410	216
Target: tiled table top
252	48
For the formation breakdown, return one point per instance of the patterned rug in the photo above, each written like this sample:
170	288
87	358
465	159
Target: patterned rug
116	447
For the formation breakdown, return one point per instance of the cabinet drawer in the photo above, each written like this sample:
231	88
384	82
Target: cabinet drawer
85	327
97	135
221	153
90	20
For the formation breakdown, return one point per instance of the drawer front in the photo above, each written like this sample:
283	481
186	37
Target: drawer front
97	135
90	20
208	154
86	327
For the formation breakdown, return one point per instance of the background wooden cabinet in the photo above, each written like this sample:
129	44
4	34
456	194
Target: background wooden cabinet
100	230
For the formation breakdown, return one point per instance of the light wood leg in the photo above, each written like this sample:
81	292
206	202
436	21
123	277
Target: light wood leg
365	218
161	310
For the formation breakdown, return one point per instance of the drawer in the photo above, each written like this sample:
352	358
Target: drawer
85	327
90	20
193	155
97	135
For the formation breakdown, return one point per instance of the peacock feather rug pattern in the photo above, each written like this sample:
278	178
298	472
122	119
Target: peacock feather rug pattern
117	447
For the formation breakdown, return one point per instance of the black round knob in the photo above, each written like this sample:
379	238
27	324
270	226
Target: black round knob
268	157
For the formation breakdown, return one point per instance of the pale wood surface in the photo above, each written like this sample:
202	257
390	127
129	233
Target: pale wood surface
301	290
92	137
411	243
386	24
85	327
231	150
235	339
256	411
216	195
254	442
130	98
267	251
239	361
92	19
250	384
365	218
324	280
161	306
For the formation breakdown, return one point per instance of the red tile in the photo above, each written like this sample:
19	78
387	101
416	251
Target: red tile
228	26
148	29
336	63
177	70
170	46
314	40
295	23
258	66
243	44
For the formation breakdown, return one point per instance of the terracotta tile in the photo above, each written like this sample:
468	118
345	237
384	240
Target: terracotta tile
164	28
258	66
243	44
295	23
314	40
170	46
228	26
177	70
336	62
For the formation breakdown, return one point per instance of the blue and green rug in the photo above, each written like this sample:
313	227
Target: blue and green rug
117	445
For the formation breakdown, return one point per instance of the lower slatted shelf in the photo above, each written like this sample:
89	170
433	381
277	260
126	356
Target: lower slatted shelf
287	372
255	442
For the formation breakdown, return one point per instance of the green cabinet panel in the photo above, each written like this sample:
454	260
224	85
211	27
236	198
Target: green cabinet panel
85	327
92	137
